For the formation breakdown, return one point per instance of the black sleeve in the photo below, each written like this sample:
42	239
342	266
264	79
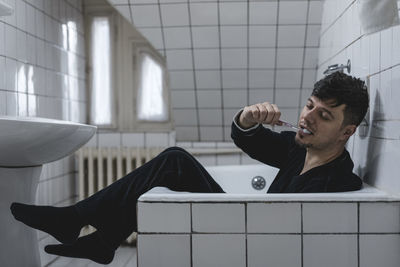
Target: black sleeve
263	144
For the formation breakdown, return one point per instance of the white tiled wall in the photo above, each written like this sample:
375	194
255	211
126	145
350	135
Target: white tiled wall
375	147
42	74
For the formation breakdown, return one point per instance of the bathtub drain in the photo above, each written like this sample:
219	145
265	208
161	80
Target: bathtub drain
258	182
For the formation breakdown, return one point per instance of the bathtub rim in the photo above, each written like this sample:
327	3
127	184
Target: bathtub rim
367	194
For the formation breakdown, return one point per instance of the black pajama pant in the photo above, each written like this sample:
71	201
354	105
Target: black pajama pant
112	211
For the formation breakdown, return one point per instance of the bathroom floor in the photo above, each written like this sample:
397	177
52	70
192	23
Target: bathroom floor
125	256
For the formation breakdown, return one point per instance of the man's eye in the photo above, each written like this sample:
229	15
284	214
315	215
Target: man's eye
309	106
325	116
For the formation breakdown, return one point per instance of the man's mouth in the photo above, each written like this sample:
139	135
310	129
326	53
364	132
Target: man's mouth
305	130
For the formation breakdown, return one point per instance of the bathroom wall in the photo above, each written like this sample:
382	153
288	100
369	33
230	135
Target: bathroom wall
375	147
42	74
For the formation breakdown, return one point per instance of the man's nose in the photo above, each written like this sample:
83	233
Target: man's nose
309	117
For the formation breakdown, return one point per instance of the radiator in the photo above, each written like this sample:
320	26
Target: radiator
100	167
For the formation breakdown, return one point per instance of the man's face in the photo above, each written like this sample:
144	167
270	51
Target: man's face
325	124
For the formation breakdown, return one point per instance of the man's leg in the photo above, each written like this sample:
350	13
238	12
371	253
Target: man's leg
112	211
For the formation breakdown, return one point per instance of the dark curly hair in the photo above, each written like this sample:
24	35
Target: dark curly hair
344	89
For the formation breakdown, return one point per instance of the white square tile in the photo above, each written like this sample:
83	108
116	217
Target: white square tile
228	159
181	79
330	250
273	218
187	133
309	78
233	36
315	12
177	37
233	13
288	78
20	12
169	14
313	34
234	79
132	139
10	47
376	250
395	44
234	98
210	117
156	139
229	113
386	48
179	59
145	15
171	250
163	217
311	58
11	74
218	218
183	99
124	10
212	133
206	79
12	106
206	59
154	36
109	139
379	217
2	73
374	52
205	37
292	12
276	250
262	36
261	78
263	12
287	97
204	144
262	57
209	98
330	217
290	58
291	35
206	160
234	58
220	250
260	95
203	14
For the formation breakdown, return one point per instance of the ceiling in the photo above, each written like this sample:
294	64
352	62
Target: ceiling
223	55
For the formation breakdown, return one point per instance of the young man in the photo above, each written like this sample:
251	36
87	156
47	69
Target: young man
312	160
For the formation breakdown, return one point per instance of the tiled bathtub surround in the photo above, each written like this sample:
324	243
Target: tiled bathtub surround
255	229
42	74
307	232
374	148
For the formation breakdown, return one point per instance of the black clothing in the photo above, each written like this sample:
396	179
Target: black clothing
112	211
281	151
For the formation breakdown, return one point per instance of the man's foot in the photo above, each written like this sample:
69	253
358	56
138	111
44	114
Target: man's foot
90	247
62	223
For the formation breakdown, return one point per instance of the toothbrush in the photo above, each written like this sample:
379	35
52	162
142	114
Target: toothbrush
284	123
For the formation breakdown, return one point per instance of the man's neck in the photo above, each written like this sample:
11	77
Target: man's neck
315	158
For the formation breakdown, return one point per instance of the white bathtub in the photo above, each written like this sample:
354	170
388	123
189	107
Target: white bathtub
247	227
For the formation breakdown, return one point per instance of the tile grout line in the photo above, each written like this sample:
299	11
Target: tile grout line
302	235
191	234
358	234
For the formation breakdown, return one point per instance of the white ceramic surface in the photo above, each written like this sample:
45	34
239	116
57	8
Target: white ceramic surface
26	144
32	141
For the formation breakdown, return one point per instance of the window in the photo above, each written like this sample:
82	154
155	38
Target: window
151	100
101	111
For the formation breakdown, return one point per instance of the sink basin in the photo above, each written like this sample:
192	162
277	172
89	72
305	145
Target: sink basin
26	143
31	141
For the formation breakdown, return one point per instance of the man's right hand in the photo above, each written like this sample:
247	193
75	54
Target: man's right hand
263	113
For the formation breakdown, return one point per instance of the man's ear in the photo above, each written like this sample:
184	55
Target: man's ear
349	130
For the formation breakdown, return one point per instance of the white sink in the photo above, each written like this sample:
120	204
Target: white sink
31	141
25	145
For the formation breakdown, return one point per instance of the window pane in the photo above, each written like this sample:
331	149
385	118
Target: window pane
151	101
101	97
